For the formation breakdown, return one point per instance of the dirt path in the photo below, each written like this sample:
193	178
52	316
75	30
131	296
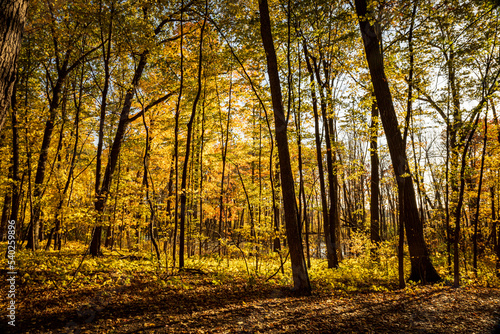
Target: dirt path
198	305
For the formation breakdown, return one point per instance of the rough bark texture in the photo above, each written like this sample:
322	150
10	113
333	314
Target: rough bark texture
12	18
299	270
421	266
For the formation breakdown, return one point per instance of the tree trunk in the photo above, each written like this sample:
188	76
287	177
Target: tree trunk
375	178
95	245
145	183
299	269
42	161
333	221
478	202
5	212
458	210
421	266
330	249
188	146
12	18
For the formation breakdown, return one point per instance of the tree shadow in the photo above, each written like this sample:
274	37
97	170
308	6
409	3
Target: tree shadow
241	308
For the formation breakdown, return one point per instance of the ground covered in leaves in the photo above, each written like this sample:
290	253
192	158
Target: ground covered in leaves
138	299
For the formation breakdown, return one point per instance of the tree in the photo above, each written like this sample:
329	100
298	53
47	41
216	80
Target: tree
12	18
375	177
421	265
299	269
188	145
67	59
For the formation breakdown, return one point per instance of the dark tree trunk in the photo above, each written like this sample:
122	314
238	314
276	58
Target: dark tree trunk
498	251
100	193
42	161
401	239
110	233
145	183
302	193
477	232
5	212
421	265
458	210
224	142
496	239
375	178
330	250
16	186
12	18
188	146
95	245
493	220
333	221
299	269
176	140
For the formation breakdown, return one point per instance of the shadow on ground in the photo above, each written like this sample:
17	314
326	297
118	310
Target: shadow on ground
202	307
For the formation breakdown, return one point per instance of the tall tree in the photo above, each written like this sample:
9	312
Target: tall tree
421	265
67	59
375	177
299	270
188	145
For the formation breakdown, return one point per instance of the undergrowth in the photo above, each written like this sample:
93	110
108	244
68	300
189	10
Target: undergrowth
366	269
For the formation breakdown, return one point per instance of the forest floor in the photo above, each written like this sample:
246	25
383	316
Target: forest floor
199	301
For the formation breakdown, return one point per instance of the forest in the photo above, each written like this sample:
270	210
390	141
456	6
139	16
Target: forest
241	166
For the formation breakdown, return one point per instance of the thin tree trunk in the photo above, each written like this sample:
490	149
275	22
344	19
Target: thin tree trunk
188	146
152	210
458	210
493	219
302	194
319	157
401	239
478	202
201	166
14	199
176	139
330	226
224	143
375	179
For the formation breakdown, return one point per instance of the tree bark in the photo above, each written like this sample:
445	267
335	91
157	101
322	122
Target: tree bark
12	18
188	147
299	270
375	178
421	265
